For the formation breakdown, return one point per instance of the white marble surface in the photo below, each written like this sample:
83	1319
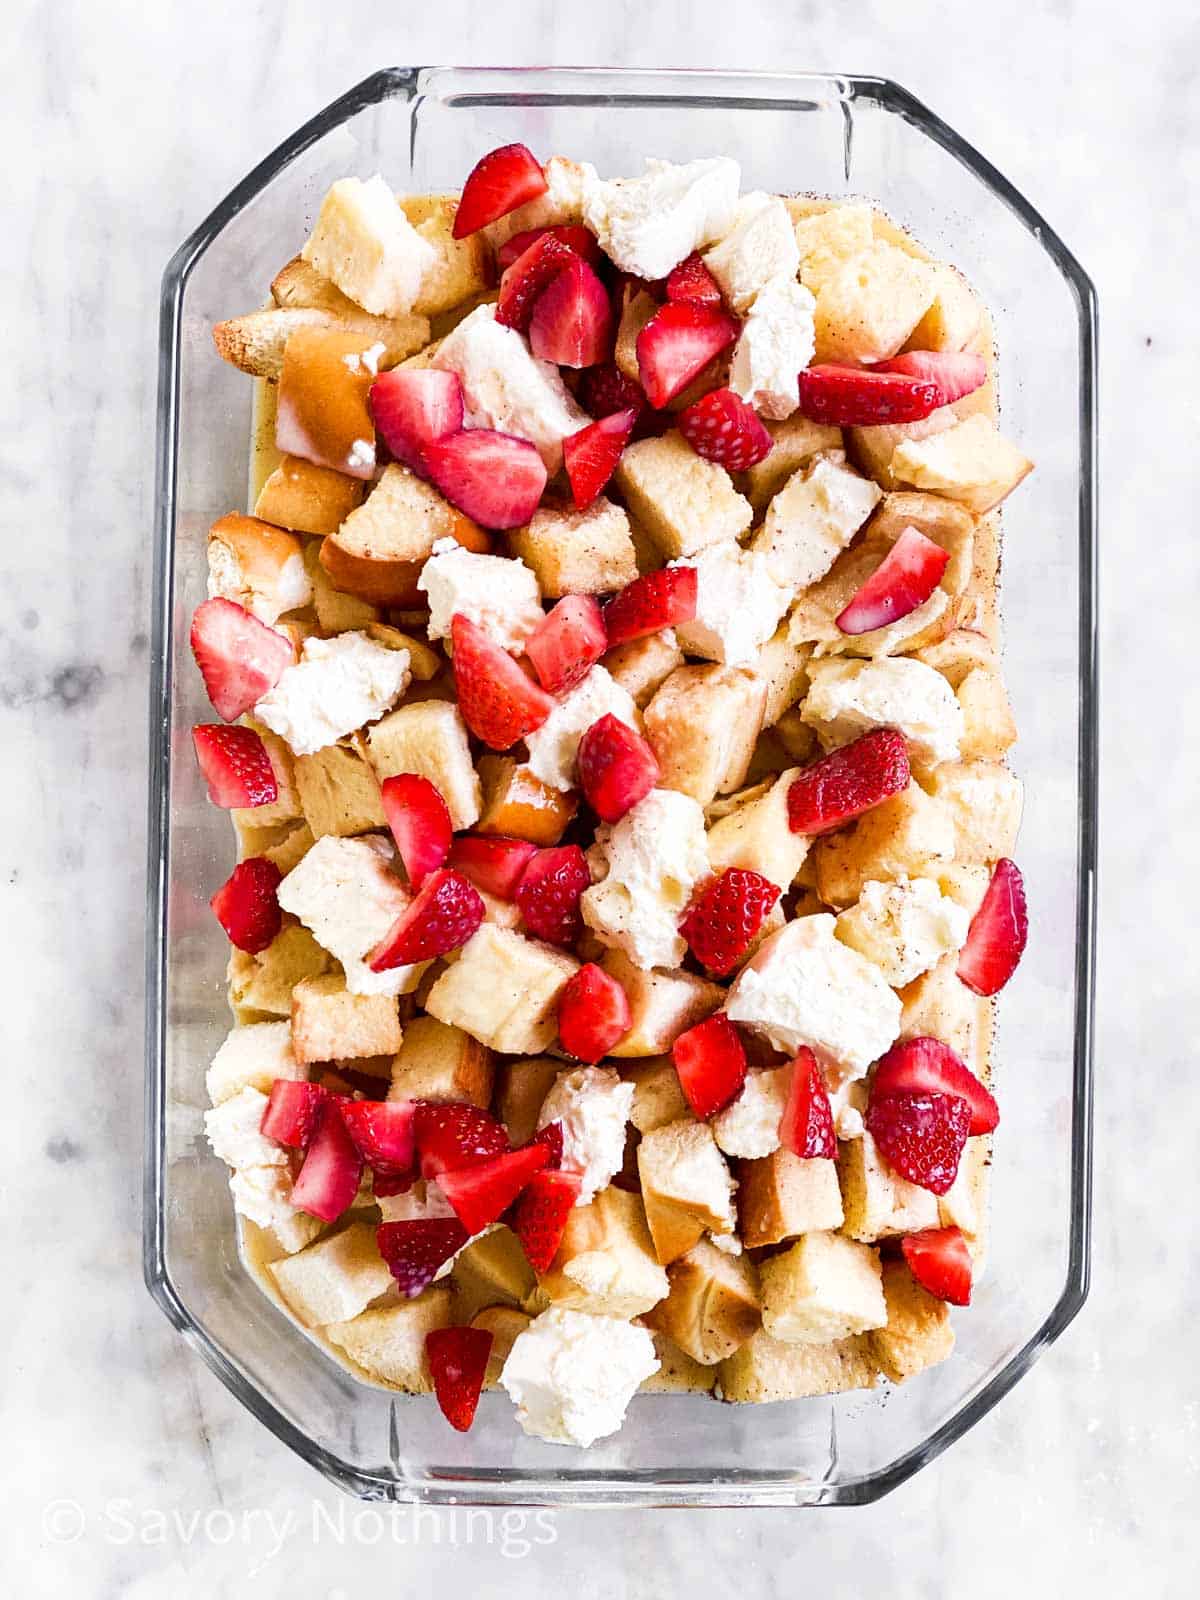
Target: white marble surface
123	124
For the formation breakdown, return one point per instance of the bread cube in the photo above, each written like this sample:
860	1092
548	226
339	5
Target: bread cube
388	1343
430	739
970	462
677	1372
757	836
336	612
329	1023
983	801
264	982
504	1323
577	552
257	566
642	666
521	1086
364	243
940	1006
637	307
812	519
439	1062
504	990
517	804
658	1096
252	1058
687	1189
335	1278
782	1195
878	1202
662	1005
713	1305
764	1369
828	235
783	666
256	342
988	726
796	442
917	1334
965	1203
954	315
606	1263
908	835
702	725
339	792
869	305
961	652
306	498
823	1288
680	500
492	1267
460	268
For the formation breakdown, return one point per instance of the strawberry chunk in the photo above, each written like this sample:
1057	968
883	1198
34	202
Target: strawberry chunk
500	703
678	342
591	455
806	1127
415	1250
482	1193
572	322
955	372
494	478
549	893
293	1112
711	1063
927	1066
235	765
691	280
246	904
724	919
413	406
568	644
239	657
541	1213
721	427
940	1261
616	766
420	822
605	389
903	580
384	1133
458	1359
497	184
998	932
534	270
455	1135
849	781
593	1013
552	1137
494	865
328	1181
858	397
647	605
444	915
573	234
921	1135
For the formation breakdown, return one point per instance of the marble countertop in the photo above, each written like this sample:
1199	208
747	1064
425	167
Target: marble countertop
128	1470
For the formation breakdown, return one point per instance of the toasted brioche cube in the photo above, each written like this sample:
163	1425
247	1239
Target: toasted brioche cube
637	307
812	518
491	1268
983	800
662	1004
971	462
918	1333
961	652
796	442
521	1086
782	1195
252	1058
823	1288
517	804
965	1203
264	982
713	1305
940	1006
988	726
764	1369
873	447
504	1323
797	739
908	835
642	666
334	1279
336	612
364	243
757	836
329	1023
606	1262
677	1372
257	565
687	1189
339	792
869	305
388	1343
702	725
577	552
828	235
504	990
658	1096
430	739
680	500
255	343
783	666
440	1062
284	842
307	498
460	266
878	1202
954	315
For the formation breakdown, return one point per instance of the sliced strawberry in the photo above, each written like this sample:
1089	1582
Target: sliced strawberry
551	1136
855	397
593	1013
420	822
328	1180
534	270
724	919
235	765
616	767
921	1135
458	1359
678	341
651	603
548	894
572	234
999	929
903	580
711	1064
572	322
384	1133
940	1261
384	1183
494	865
293	1111
239	657
955	372
849	781
445	913
691	280
927	1066
495	478
591	455
246	905
413	406
499	702
497	184
605	389
480	1194
415	1250
456	1135
566	647
806	1127
721	427
541	1213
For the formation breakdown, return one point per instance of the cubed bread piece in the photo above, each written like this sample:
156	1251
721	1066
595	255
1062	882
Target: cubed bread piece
365	244
339	792
577	552
713	1304
329	1023
252	1058
258	566
336	612
918	1333
521	1086
440	1062
504	1323
796	442
783	666
983	800
677	1372
905	836
868	306
284	843
637	307
430	739
682	501
256	342
687	1188
641	666
504	990
703	724
388	1343
872	448
517	804
798	740
828	234
757	836
662	1005
823	1288
286	805
965	1203
782	1195
878	1202
606	1263
264	982
959	653
306	498
812	519
460	267
658	1096
765	1369
971	462
940	1006
335	1278
491	1267
954	315
988	726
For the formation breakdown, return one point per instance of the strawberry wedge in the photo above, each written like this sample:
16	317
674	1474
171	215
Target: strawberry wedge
420	822
495	865
998	933
921	1135
239	657
616	767
678	342
499	703
525	279
415	1250
413	407
593	1013
293	1112
711	1063
481	1194
540	1215
649	604
568	644
691	280
444	915
458	1360
726	916
860	397
573	234
383	1133
927	1066
496	479
572	321
806	1127
449	1137
955	372
497	184
549	893
329	1179
235	765
247	905
591	455
721	427
847	782
903	580
940	1261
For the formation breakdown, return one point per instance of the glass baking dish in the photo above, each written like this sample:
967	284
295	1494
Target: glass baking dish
839	136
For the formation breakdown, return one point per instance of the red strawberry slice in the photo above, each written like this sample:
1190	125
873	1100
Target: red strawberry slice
903	580
548	894
458	1359
721	427
497	184
691	280
605	389
849	781
921	1135
679	340
495	478
617	768
940	1261
711	1064
413	406
384	1183
444	915
806	1127
591	455
235	765
499	702
452	1136
293	1112
927	1066
572	234
568	644
384	1133
328	1181
855	397
541	1213
998	932
246	904
725	917
239	657
593	1013
534	270
420	822
494	865
415	1250
648	604
482	1193
551	1136
572	322
955	372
